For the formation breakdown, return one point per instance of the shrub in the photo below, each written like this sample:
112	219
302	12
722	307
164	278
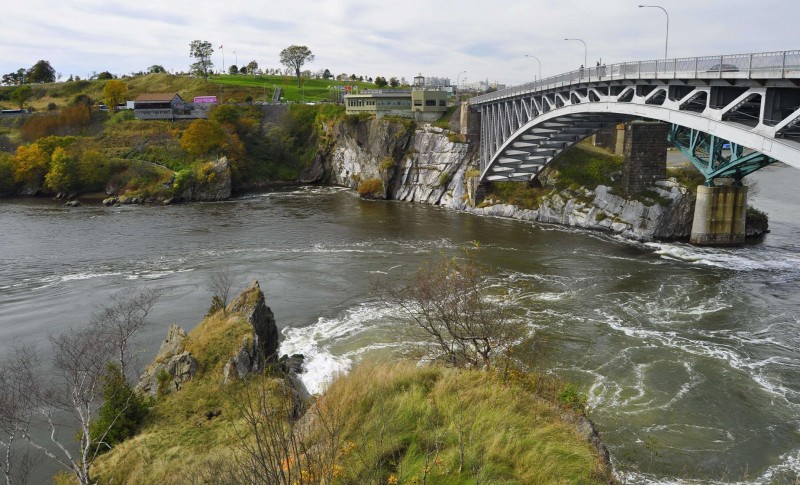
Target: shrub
445	178
387	164
7	185
371	188
121	413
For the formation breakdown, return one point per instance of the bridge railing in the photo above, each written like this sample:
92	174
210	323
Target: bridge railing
764	65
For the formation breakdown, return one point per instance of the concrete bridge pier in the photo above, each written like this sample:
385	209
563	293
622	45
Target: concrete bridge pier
719	216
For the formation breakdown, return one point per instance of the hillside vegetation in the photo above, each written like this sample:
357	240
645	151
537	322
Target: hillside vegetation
383	424
114	154
227	88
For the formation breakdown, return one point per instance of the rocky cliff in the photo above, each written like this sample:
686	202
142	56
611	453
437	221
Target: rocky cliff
432	166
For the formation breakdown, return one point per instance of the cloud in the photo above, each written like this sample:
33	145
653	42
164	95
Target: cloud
488	39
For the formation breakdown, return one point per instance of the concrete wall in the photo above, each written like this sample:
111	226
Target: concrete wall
645	155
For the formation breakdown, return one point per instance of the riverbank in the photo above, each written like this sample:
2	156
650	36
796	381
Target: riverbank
394	160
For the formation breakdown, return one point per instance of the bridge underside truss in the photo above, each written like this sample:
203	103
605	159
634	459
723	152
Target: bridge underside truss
715	157
521	134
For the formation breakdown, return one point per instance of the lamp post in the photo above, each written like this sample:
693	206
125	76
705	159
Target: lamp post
540	66
584	51
458	79
666	43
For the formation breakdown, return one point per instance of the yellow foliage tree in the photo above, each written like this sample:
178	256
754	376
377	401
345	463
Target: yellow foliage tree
31	165
201	137
114	92
62	176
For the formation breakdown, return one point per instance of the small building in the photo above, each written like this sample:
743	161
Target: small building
158	106
381	102
423	103
168	106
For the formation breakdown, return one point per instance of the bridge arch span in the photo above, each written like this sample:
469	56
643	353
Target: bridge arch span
535	144
751	101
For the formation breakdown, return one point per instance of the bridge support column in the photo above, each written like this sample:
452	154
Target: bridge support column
470	123
719	216
645	155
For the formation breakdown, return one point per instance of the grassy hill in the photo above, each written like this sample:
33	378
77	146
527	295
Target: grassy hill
384	423
235	88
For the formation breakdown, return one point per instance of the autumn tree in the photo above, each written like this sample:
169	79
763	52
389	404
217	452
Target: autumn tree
114	92
201	50
295	57
41	72
201	137
31	164
21	95
62	176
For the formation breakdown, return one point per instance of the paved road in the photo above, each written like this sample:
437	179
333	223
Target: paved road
676	159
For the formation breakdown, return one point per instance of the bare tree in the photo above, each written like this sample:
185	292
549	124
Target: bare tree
123	318
15	379
276	448
67	399
449	305
221	284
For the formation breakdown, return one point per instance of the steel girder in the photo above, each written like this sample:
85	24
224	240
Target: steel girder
715	157
522	133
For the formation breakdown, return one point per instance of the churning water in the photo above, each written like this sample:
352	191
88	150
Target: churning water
689	356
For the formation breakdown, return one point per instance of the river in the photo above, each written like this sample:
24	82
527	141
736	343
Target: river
688	356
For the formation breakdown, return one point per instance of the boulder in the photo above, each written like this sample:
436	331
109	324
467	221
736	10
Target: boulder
172	367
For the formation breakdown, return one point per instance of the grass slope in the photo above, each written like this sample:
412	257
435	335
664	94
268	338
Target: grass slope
393	423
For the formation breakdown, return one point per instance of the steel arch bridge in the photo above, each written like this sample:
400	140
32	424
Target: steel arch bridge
730	115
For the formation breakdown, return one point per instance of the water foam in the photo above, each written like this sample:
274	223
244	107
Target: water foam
326	343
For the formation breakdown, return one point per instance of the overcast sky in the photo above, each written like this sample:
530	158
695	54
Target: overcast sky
488	38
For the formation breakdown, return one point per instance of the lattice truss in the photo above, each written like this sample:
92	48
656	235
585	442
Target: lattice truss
726	130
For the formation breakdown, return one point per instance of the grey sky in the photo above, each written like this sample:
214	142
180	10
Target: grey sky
486	38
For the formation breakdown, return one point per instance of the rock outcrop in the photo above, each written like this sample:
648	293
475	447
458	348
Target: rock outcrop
213	183
172	367
261	349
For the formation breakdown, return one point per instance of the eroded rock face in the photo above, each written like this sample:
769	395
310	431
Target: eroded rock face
435	170
261	349
172	367
216	186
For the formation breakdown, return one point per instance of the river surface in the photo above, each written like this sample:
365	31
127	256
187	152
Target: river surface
689	357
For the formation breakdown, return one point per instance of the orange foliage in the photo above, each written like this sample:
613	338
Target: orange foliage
69	121
202	137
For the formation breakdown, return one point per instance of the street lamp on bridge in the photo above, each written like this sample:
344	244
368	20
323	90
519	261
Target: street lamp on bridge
584	51
540	66
666	44
458	81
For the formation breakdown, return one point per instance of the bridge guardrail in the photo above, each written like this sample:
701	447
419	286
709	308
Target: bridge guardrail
763	65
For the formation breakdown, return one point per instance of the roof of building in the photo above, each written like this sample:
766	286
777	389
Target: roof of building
157	97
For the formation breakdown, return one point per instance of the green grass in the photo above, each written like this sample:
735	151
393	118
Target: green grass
585	166
312	90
